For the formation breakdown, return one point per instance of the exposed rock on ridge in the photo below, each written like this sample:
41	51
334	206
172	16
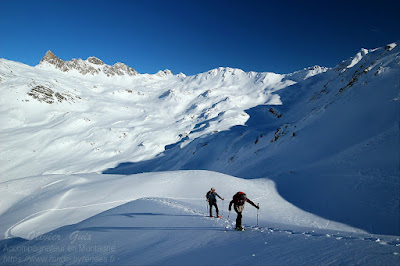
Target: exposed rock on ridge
166	72
92	66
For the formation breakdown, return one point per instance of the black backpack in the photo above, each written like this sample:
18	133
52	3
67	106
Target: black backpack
208	194
239	198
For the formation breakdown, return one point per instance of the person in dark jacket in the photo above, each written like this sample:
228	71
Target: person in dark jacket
212	200
238	201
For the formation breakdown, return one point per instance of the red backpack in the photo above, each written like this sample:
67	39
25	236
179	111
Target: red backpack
239	198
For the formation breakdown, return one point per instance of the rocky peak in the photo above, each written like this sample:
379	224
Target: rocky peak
95	60
51	58
164	73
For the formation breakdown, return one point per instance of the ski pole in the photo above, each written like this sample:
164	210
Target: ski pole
258	205
207	208
227	221
223	207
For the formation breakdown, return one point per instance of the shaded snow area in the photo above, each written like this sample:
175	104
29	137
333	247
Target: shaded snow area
103	165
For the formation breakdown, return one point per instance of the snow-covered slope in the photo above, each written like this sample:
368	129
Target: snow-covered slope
318	149
336	136
164	222
56	200
50	117
159	231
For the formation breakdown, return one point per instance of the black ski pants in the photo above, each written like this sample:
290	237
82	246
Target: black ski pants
239	210
216	207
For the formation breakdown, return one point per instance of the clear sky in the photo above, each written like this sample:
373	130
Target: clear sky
193	36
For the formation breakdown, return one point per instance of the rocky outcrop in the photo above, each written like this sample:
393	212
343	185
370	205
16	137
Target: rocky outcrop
119	69
47	95
95	60
91	66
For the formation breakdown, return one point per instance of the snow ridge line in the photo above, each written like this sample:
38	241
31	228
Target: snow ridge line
176	205
8	233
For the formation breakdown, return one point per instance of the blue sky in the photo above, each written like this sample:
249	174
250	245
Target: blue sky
194	36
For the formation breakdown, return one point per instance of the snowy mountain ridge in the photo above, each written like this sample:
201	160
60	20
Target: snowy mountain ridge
92	66
136	116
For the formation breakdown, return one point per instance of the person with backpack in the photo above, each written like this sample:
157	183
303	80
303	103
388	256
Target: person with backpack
238	201
212	200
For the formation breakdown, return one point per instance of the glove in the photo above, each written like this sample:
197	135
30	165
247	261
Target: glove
229	209
257	207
